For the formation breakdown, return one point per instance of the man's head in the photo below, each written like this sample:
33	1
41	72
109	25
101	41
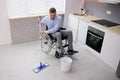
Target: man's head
52	12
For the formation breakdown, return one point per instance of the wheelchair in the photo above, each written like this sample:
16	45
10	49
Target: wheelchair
48	42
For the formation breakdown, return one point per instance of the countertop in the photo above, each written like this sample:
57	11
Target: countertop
89	18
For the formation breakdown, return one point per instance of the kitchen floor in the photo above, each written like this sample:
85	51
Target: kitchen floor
17	62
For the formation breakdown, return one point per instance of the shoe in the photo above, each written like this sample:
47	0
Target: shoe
71	52
58	55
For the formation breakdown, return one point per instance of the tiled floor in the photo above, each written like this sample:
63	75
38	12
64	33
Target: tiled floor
17	62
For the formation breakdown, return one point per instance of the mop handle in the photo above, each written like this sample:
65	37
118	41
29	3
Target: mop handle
39	19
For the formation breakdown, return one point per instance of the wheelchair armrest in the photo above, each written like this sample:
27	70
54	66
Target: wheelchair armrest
61	28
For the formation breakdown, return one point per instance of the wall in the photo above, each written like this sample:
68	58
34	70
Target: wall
99	9
5	35
25	29
72	6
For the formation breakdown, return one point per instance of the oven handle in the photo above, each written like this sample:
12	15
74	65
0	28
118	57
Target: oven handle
95	35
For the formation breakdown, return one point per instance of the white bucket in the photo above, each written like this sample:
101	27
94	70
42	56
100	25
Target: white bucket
65	64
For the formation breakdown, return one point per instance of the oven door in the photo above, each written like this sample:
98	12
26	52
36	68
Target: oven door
94	41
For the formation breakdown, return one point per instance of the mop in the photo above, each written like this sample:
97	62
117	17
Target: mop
41	67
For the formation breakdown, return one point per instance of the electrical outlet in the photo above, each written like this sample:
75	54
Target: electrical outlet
108	12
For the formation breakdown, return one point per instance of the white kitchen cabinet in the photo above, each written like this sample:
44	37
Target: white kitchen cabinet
111	49
73	22
73	25
74	33
110	1
82	31
110	52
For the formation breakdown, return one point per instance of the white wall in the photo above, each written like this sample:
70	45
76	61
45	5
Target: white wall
5	36
72	6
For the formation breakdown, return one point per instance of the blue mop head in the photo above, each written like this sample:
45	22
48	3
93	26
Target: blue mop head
41	67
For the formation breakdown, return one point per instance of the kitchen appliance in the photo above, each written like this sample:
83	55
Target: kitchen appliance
105	23
95	38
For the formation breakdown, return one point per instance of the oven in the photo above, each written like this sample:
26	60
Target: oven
95	38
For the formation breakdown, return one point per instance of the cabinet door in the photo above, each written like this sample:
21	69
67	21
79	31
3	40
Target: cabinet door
111	49
73	22
82	31
73	25
74	33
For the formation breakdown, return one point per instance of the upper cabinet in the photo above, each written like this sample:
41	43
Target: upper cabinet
110	1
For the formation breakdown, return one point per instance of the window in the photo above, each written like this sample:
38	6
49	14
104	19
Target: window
20	8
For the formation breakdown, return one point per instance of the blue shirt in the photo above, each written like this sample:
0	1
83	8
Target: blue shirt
52	24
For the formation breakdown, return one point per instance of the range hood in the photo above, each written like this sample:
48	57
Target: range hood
110	1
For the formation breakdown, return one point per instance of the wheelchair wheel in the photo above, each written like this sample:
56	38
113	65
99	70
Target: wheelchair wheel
57	55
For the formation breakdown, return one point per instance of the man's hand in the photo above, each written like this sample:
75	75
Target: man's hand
42	33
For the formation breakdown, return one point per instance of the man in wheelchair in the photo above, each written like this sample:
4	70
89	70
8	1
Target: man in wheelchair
54	23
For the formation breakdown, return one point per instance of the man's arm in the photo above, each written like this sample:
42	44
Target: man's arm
56	27
42	22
